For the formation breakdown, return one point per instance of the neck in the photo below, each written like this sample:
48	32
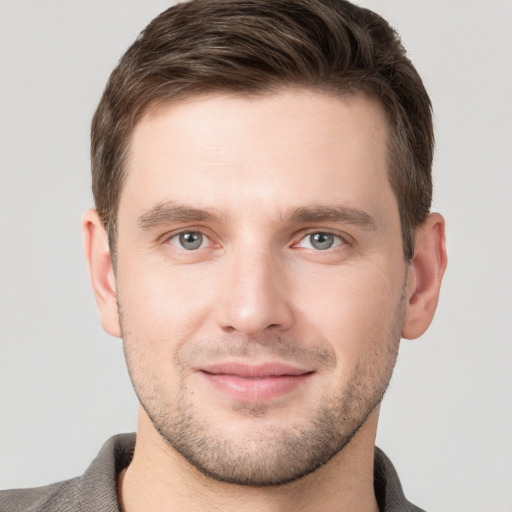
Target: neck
159	478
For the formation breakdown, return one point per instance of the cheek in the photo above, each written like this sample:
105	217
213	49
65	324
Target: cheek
162	303
355	307
159	313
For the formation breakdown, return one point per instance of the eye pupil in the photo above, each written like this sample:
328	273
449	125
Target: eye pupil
191	240
321	241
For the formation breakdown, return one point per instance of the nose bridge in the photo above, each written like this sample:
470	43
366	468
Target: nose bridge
254	296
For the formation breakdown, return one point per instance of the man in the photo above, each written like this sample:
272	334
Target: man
261	242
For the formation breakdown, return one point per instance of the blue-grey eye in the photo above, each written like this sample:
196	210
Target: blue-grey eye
321	241
189	240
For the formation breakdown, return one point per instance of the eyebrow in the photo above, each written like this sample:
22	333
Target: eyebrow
347	215
170	211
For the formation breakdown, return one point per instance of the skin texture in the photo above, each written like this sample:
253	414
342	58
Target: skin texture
294	258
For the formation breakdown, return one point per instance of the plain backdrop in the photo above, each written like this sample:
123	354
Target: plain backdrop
447	419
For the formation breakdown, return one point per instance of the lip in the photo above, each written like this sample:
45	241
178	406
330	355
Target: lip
255	383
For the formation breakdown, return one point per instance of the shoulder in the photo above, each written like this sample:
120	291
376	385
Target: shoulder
94	491
55	497
388	489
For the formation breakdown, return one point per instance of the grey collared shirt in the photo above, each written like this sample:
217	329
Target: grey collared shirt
96	489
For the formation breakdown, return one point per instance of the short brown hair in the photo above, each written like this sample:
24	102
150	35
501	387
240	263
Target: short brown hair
260	46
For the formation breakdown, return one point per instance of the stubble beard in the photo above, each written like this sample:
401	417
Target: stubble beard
277	455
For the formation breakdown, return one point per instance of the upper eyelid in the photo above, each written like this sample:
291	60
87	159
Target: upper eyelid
205	239
295	238
178	231
337	244
307	232
165	241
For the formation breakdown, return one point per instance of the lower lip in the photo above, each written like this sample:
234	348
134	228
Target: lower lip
257	389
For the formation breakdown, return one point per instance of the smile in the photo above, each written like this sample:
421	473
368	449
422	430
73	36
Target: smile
258	383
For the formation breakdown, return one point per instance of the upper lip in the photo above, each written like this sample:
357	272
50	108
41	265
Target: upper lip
255	370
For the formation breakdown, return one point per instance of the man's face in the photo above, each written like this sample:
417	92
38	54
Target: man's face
260	278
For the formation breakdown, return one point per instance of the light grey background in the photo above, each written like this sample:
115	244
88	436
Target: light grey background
447	419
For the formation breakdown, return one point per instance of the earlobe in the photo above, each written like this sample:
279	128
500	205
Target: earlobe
101	271
425	275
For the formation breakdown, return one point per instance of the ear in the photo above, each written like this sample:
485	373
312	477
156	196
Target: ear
424	277
103	280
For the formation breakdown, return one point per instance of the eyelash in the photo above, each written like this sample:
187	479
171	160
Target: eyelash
338	240
204	238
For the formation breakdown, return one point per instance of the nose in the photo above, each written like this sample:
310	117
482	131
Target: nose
254	295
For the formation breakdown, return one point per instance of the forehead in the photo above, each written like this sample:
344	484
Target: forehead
279	150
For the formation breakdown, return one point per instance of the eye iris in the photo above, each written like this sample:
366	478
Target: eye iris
192	240
322	241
